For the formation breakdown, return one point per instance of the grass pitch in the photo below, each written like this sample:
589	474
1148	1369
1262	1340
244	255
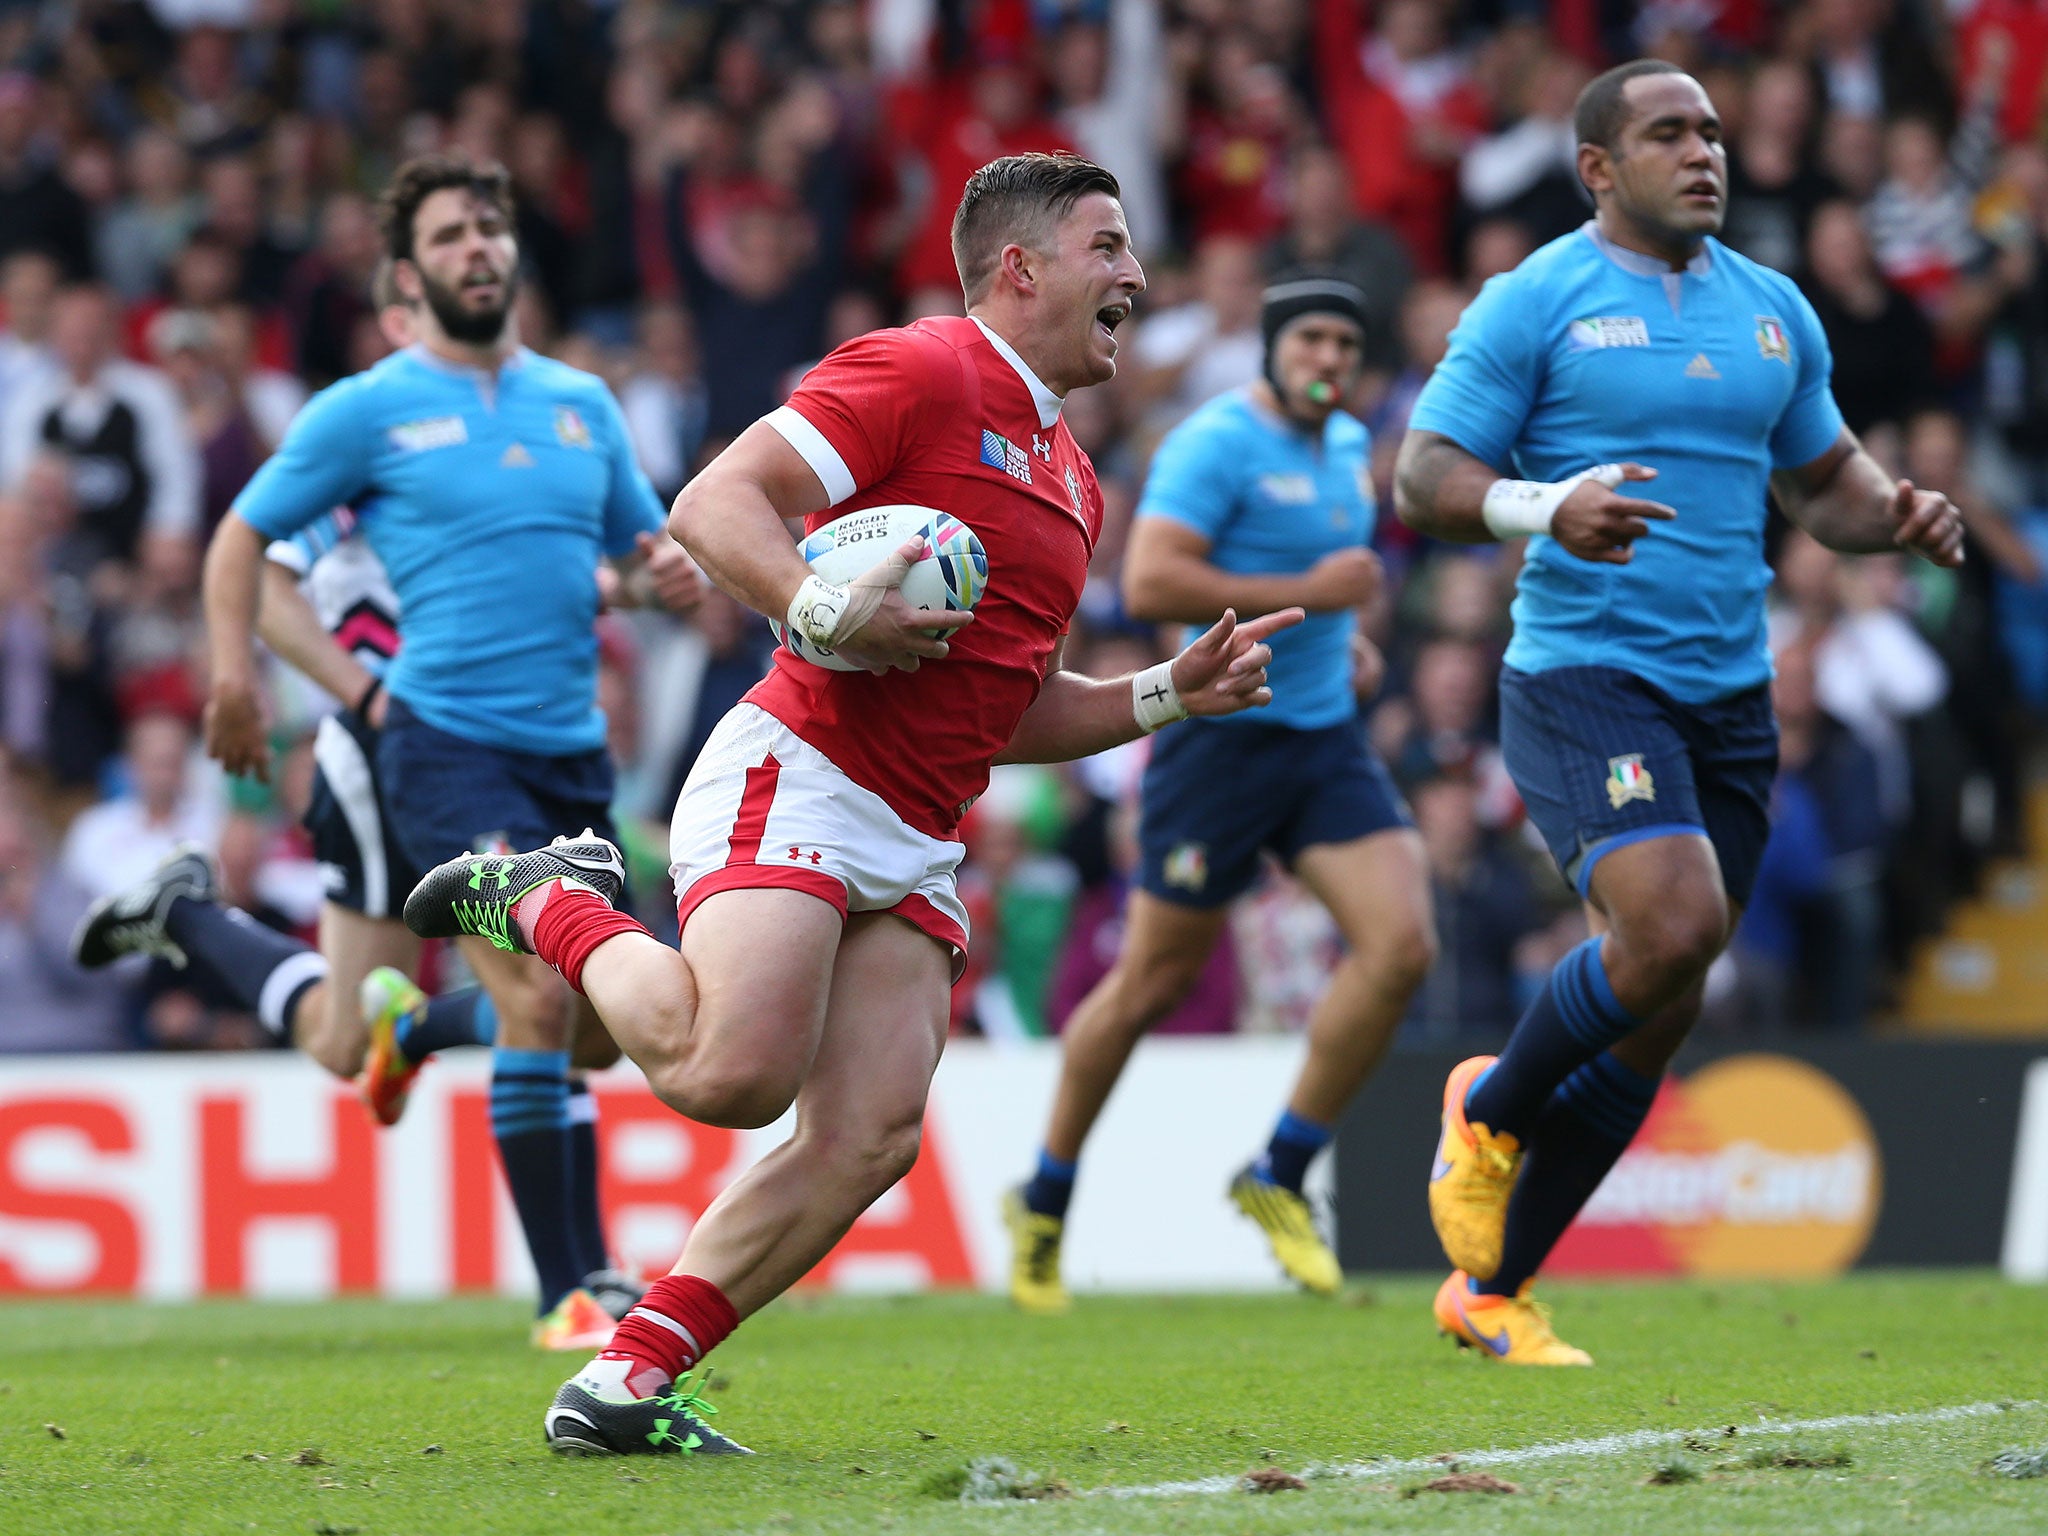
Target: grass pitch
386	1418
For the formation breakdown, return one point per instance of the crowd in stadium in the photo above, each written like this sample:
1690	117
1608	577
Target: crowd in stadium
713	196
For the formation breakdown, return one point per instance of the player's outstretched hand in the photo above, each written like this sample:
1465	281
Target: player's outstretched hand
671	575
1595	523
235	733
1928	524
1225	670
880	631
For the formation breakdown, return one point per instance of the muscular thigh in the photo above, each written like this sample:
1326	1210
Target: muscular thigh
884	1029
1376	887
765	964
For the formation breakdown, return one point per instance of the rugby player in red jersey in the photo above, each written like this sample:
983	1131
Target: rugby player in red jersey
814	843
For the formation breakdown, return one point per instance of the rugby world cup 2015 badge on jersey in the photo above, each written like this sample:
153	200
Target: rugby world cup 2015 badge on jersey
1628	779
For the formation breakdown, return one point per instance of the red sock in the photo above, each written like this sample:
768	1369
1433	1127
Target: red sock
678	1322
564	923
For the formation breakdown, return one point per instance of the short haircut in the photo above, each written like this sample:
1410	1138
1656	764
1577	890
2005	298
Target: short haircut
1016	201
419	179
384	285
1602	108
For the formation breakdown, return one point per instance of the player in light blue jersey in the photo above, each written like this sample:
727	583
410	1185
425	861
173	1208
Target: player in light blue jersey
1635	712
1261	499
490	482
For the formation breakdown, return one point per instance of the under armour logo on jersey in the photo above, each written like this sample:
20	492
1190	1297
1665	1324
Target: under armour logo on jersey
800	854
998	452
1041	447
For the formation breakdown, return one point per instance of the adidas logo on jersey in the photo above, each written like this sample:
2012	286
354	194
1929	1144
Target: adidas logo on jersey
1701	368
516	457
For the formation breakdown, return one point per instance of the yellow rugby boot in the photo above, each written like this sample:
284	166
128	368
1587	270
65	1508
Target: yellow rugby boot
1514	1330
1035	1283
1290	1227
577	1323
387	997
1472	1180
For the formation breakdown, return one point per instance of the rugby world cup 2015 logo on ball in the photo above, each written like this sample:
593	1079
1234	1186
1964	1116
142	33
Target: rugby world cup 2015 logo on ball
953	573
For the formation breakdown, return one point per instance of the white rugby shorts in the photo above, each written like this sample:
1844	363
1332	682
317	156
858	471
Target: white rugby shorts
762	807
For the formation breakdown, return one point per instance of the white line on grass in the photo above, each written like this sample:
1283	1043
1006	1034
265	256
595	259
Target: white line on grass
1555	1450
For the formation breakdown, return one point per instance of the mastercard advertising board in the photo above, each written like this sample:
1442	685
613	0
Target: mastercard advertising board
1754	1165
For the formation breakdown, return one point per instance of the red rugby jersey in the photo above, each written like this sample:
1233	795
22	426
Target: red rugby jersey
942	413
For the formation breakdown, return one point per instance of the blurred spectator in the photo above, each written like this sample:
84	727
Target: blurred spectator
1325	232
1529	172
1774	187
1110	80
38	211
146	228
47	1003
57	711
664	398
167	801
1403	111
133	466
1234	173
1485	909
328	293
1882	343
1195	351
28	288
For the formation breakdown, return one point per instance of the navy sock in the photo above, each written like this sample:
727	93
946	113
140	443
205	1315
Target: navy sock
586	1211
1051	1188
267	972
1294	1145
1573	1019
530	1119
1585	1127
465	1016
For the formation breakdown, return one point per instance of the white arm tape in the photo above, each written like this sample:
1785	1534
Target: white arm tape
1154	699
817	610
1513	508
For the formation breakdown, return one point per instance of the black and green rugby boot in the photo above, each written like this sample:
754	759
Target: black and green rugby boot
476	893
131	921
595	1414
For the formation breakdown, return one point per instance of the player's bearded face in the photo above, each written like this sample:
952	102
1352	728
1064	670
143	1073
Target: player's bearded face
1090	277
468	265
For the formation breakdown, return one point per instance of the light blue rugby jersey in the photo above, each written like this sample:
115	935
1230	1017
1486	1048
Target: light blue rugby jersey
1271	500
1589	354
490	501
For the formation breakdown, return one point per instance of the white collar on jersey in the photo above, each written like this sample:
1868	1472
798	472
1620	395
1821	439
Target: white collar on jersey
1645	266
1047	402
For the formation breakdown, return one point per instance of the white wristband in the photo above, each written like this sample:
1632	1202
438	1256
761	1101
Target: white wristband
1154	699
816	610
1513	508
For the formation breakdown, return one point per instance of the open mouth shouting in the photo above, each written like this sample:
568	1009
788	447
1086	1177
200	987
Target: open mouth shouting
1110	316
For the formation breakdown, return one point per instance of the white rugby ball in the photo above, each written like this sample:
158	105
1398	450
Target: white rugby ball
952	575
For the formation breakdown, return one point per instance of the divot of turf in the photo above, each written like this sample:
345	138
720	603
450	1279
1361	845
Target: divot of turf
1670	1473
993	1480
1270	1480
1465	1482
1796	1457
2019	1462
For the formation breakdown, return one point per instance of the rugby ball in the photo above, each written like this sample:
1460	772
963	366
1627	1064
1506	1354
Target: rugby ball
952	575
